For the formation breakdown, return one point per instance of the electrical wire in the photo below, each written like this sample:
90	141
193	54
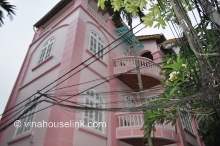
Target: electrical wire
66	98
57	102
124	109
97	58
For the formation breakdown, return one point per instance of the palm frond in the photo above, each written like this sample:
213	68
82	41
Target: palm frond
8	8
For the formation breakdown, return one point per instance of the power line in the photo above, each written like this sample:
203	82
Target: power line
79	65
57	102
78	71
124	109
70	96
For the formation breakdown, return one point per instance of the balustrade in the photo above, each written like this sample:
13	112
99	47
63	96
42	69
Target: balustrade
143	62
137	120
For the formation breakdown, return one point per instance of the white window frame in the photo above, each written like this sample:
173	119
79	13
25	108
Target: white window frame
22	129
96	44
47	50
187	123
130	101
93	99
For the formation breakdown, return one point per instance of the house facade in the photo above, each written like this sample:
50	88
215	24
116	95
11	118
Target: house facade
56	68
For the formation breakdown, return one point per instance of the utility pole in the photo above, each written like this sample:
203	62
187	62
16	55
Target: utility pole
211	12
208	76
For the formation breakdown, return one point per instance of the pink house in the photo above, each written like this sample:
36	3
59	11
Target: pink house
69	34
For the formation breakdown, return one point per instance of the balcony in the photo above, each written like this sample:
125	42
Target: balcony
149	72
128	131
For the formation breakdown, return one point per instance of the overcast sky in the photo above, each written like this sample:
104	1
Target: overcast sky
16	35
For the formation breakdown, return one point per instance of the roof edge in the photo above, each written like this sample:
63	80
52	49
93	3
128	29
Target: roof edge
160	38
52	12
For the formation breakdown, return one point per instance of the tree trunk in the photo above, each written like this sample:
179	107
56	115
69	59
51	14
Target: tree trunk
196	46
139	76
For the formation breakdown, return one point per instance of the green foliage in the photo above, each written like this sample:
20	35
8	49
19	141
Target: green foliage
158	116
182	72
130	6
158	11
210	130
178	75
124	9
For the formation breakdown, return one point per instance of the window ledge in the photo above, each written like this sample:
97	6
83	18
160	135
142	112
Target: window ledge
36	67
100	60
16	139
190	133
92	132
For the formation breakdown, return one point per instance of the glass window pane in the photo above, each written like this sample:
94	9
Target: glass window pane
100	116
90	114
91	103
97	96
86	113
86	121
46	51
87	101
100	128
96	115
92	93
101	99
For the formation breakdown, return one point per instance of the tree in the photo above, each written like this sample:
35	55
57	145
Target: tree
192	82
210	130
8	8
122	11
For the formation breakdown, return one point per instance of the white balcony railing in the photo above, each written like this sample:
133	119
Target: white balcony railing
137	120
143	62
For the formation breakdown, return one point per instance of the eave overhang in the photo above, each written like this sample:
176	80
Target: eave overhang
52	12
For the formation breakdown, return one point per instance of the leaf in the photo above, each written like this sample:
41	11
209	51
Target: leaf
173	90
101	3
143	4
174	66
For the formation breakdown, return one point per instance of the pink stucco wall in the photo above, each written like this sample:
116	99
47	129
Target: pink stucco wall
71	28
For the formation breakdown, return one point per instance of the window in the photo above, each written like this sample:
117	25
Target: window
130	101
98	10
47	48
125	53
24	128
186	122
93	99
96	44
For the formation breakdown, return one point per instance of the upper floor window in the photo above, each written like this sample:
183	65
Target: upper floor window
98	10
47	48
94	118
130	101
96	44
187	122
29	109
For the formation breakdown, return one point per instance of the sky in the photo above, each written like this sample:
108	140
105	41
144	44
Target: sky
16	35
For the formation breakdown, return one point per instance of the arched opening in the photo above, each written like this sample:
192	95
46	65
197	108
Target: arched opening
147	55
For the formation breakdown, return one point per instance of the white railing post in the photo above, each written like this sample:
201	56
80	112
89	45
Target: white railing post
123	122
119	121
130	61
138	120
128	120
